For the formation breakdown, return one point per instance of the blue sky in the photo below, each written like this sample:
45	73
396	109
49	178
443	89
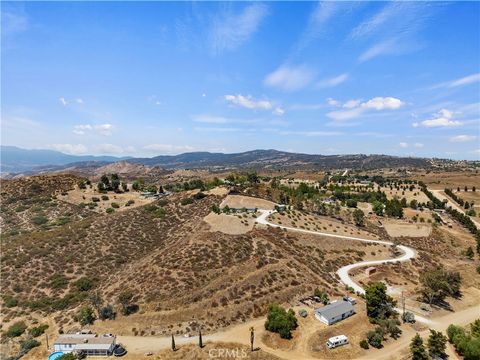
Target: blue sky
143	79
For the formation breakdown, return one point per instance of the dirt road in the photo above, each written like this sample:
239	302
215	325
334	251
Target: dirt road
441	196
240	333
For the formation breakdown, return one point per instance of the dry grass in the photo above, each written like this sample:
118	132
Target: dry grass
79	196
240	201
397	229
230	224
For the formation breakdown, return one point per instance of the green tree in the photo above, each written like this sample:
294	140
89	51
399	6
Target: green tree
322	295
107	313
469	253
104	179
377	207
84	284
417	349
281	321
85	316
475	328
375	337
453	331
16	329
379	304
437	284
125	300
437	343
358	217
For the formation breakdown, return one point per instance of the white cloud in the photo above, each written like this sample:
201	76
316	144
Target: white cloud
333	102
229	31
74	149
341	115
442	119
79	101
290	78
63	101
103	129
204	95
108	149
168	148
350	104
355	107
278	111
405	145
248	102
462	138
331	82
383	103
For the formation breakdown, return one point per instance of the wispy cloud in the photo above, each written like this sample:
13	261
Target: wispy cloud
229	31
316	24
332	82
14	19
103	129
290	78
463	138
168	148
394	29
73	149
213	119
466	80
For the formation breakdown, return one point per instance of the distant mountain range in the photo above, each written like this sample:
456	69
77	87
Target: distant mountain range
17	160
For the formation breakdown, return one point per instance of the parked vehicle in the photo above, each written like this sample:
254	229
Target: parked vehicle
337	341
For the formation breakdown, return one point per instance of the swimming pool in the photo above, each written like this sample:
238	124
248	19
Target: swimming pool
55	355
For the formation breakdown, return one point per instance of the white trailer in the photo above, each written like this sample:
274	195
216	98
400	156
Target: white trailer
337	341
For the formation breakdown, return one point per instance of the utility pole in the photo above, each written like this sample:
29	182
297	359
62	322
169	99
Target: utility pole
252	338
46	337
403	307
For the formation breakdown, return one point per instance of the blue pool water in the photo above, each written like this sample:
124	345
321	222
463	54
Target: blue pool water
55	355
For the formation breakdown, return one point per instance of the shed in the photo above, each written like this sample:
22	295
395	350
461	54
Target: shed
336	311
370	270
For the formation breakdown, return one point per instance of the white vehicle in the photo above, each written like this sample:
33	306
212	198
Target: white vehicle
337	341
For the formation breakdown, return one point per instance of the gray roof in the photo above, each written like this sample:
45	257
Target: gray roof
84	339
335	309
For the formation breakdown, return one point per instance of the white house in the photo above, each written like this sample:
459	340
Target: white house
336	311
90	344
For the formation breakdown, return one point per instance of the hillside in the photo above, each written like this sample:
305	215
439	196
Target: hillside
273	159
18	162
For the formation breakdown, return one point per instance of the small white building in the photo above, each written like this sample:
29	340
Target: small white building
89	344
335	311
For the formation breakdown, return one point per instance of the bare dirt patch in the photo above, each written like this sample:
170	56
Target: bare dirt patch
399	229
240	201
230	224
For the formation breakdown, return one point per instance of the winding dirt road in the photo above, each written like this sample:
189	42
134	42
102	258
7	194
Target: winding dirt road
239	333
